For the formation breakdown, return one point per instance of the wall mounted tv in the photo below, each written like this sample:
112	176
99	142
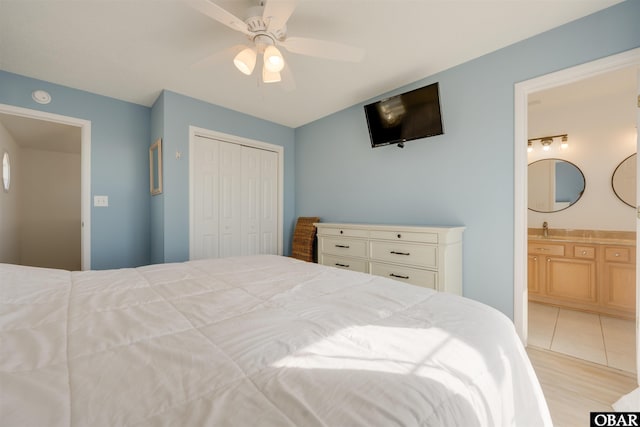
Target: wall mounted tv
404	117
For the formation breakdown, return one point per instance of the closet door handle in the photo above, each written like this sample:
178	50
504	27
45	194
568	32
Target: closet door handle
400	253
398	276
342	246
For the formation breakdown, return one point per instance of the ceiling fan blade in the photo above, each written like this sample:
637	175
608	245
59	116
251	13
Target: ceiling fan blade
323	49
210	60
288	82
216	12
277	12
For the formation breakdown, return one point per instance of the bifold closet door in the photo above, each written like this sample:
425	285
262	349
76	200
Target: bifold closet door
206	190
235	190
259	201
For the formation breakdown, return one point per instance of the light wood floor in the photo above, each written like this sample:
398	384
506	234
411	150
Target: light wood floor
574	387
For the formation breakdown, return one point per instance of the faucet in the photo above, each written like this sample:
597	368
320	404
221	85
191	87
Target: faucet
545	229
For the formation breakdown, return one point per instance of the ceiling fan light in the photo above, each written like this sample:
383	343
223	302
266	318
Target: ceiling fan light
270	76
273	59
245	61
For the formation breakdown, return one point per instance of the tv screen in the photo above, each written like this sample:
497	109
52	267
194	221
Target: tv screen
400	118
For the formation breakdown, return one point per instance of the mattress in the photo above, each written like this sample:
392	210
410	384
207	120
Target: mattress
254	341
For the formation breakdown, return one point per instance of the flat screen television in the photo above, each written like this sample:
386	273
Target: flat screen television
405	117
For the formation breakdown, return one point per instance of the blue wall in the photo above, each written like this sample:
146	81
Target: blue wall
179	113
464	177
157	201
569	182
119	165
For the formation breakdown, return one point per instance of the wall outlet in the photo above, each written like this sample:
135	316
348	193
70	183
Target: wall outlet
101	201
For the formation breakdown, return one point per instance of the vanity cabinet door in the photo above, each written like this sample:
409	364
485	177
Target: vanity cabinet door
571	279
533	274
619	280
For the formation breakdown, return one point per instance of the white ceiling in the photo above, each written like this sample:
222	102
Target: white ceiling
622	81
132	49
42	134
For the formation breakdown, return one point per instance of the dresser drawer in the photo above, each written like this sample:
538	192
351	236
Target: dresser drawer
546	249
345	247
424	278
404	253
402	236
343	232
345	263
588	252
617	254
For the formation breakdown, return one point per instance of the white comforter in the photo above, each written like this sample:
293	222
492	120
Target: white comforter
254	341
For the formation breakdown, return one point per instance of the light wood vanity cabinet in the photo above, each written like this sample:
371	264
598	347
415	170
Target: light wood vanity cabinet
619	273
595	277
423	256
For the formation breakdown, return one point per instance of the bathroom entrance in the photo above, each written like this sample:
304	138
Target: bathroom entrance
581	219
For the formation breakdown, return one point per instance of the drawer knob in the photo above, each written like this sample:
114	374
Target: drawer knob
399	236
400	253
584	252
341	232
617	254
535	258
548	259
398	276
342	246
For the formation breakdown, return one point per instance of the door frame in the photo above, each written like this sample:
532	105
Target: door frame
85	169
521	93
194	132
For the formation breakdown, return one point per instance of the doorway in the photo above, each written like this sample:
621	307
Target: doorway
581	268
522	91
48	217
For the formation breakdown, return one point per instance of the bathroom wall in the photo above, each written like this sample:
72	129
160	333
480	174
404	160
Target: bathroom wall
50	209
599	116
9	203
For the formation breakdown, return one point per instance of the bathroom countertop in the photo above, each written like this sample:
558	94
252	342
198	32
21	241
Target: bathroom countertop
622	238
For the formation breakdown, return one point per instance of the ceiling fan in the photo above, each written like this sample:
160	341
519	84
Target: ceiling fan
266	27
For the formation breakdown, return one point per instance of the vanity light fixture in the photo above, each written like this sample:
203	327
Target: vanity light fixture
546	142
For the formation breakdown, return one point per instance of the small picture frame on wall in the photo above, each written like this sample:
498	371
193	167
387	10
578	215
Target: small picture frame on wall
155	167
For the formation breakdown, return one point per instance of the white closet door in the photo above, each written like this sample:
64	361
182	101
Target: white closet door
205	193
251	201
230	199
269	202
235	199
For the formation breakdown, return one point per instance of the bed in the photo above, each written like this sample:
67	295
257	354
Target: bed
254	341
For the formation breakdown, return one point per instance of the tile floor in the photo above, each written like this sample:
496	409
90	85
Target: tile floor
600	339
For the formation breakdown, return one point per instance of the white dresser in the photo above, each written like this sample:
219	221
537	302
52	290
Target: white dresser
423	256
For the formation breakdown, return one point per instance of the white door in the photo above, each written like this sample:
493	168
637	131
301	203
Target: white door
250	201
230	199
269	202
259	201
205	190
235	203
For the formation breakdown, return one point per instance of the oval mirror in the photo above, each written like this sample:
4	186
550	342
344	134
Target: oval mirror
6	172
623	181
554	185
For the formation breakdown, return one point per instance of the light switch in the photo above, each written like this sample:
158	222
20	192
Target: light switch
101	201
